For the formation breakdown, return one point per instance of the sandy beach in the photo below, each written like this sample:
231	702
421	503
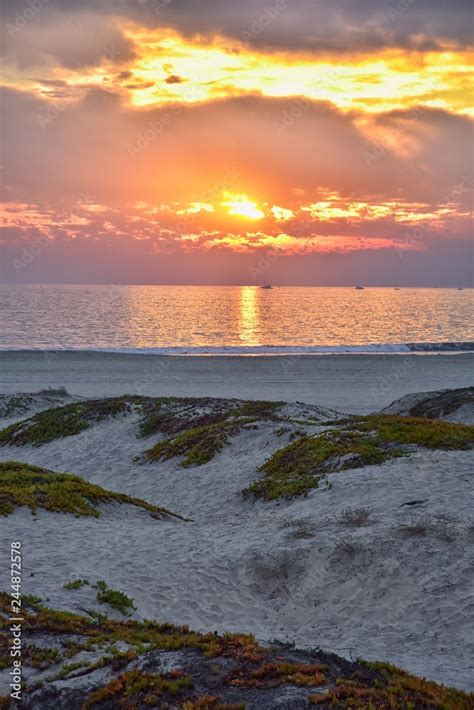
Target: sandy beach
350	383
373	564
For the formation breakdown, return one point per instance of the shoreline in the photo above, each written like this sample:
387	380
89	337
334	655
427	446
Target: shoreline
289	350
352	383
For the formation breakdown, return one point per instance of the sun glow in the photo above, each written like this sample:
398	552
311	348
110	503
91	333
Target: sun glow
170	68
241	206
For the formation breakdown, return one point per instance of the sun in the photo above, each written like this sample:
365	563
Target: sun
241	206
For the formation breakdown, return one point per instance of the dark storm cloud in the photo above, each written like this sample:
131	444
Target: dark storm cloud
316	25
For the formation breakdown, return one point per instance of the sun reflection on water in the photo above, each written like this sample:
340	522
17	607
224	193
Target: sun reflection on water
249	315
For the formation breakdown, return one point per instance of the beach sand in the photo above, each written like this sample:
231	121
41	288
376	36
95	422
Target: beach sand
291	570
350	383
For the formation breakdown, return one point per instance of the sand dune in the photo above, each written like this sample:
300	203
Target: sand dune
448	405
311	570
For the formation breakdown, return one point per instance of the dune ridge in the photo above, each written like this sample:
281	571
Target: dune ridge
373	563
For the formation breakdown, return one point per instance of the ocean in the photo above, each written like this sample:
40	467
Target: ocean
227	320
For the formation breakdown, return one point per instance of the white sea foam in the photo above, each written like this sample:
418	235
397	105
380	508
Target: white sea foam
241	350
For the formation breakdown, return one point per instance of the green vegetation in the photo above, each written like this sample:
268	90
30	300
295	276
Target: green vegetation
210	702
32	655
199	435
60	422
275	673
429	433
258	410
117	600
301	465
360	441
76	584
230	665
143	688
393	689
198	446
197	428
32	601
174	415
40	658
155	422
138	635
97	616
34	487
10	405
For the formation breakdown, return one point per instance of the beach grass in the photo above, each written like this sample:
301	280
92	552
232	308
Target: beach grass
235	667
197	445
60	422
114	598
198	427
144	688
25	485
199	432
76	584
11	405
419	431
359	441
397	690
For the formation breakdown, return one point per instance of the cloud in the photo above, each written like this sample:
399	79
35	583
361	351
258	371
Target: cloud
96	179
174	79
157	155
74	186
73	40
116	259
315	25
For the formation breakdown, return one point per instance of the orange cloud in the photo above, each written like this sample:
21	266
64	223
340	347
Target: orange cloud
165	67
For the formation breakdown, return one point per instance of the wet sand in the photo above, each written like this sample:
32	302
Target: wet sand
350	383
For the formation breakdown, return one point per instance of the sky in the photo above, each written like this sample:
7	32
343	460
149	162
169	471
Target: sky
296	142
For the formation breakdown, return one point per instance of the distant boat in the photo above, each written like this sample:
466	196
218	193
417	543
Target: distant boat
460	288
266	286
359	288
